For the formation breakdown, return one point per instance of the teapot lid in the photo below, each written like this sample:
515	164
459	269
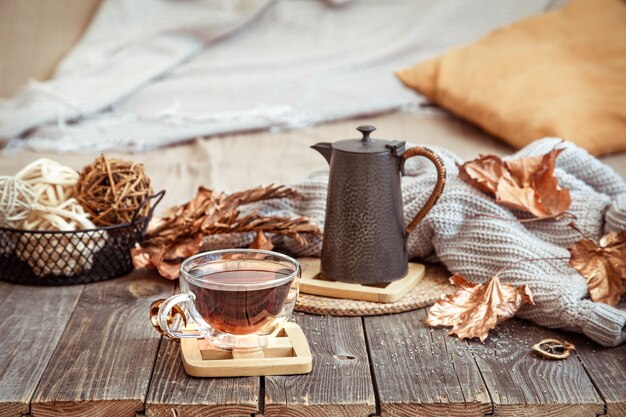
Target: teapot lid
369	145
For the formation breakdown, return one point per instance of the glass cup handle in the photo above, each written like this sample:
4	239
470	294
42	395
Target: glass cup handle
163	312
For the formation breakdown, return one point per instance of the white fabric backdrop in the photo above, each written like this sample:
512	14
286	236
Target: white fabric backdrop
153	72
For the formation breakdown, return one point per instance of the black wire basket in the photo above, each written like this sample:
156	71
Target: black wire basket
71	257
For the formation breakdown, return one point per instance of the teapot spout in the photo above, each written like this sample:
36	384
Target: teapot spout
325	148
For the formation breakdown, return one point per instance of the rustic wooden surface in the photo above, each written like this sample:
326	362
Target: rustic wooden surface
419	370
103	362
30	328
78	351
607	370
522	384
340	383
173	393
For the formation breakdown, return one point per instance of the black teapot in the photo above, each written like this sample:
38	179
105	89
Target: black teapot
364	233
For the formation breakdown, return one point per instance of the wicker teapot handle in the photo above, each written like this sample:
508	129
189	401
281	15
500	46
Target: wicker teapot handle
441	181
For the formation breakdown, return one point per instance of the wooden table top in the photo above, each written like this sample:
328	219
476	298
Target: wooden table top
90	351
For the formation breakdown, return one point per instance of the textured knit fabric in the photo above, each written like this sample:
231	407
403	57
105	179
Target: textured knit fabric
455	233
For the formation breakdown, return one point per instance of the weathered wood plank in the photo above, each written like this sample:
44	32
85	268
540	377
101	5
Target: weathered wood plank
174	393
524	384
103	362
340	383
607	370
421	371
31	322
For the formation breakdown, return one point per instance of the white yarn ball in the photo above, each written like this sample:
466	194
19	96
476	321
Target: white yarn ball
59	254
52	182
17	199
56	209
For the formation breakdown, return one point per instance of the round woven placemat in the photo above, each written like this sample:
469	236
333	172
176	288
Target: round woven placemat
426	292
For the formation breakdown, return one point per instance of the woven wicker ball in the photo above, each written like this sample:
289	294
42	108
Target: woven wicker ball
17	199
113	191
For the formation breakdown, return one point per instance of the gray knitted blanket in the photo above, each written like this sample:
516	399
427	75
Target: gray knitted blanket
477	246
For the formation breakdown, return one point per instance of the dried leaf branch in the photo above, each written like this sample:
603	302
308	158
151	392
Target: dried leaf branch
181	231
272	224
209	208
255	195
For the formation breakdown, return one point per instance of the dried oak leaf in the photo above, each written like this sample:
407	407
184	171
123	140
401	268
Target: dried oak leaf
526	184
474	309
603	264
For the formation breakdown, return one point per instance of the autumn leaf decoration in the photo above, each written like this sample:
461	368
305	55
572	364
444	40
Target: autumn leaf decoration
181	232
526	184
474	309
261	242
603	264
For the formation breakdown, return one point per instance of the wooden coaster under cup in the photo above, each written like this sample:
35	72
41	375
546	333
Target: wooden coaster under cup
313	282
287	354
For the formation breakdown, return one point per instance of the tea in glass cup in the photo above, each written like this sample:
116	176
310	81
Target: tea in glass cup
238	298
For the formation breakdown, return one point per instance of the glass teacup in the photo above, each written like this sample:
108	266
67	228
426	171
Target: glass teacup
237	298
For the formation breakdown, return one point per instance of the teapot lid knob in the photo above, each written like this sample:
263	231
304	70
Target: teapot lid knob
366	130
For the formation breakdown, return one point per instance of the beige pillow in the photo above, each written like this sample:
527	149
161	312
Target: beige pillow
559	74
